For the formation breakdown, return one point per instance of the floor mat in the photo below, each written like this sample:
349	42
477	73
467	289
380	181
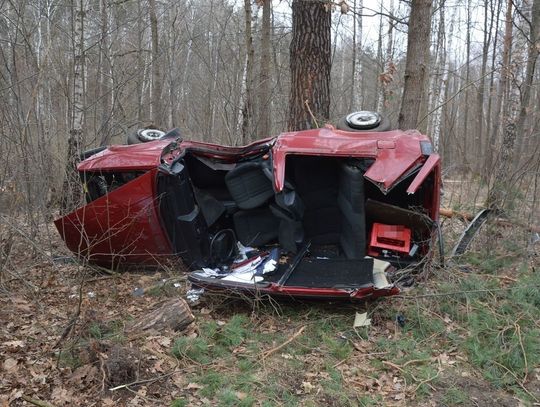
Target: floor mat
332	273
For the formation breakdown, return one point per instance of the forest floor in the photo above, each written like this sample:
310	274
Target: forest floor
471	336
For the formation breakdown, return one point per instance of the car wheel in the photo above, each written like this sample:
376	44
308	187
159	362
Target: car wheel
364	121
145	135
89	153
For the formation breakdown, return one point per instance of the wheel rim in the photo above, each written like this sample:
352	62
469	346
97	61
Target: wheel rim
363	120
150	134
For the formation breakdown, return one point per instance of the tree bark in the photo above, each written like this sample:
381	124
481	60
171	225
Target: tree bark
532	57
71	191
104	75
418	41
502	94
479	136
247	111
500	189
355	103
173	314
264	103
310	64
156	108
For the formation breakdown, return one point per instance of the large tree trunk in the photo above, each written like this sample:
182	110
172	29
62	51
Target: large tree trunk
264	122
415	67
310	63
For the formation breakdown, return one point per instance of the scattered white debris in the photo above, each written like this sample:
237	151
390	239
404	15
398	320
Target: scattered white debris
91	294
194	294
244	277
361	320
208	272
269	266
242	252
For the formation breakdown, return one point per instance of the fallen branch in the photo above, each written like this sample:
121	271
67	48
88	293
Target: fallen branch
450	213
154	379
36	402
173	314
518	381
487	290
429	379
292	338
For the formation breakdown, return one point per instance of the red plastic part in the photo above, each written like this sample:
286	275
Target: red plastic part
390	237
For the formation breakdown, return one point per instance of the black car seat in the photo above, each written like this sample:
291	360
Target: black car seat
352	206
249	185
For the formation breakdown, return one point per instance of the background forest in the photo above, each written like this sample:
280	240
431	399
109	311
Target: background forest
77	74
220	71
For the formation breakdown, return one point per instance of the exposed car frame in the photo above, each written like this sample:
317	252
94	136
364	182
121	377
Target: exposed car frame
292	215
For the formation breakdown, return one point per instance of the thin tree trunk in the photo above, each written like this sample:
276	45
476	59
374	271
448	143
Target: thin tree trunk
71	192
479	136
355	102
156	109
247	112
140	62
415	67
466	107
502	93
532	57
310	64
264	122
389	68
105	75
439	82
500	189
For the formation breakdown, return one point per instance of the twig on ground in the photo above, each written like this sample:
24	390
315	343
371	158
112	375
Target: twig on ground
518	331
292	338
518	381
487	290
397	367
429	379
410	362
154	379
75	317
36	402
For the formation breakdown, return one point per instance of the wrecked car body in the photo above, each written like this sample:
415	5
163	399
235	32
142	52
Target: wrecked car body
321	213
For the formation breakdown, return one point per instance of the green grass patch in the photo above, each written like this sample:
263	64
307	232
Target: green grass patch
455	397
493	330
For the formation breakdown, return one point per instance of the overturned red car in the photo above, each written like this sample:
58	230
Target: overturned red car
322	213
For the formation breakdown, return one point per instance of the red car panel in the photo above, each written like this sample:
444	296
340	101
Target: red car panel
120	227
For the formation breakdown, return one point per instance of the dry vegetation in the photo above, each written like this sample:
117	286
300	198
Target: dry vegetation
467	334
470	335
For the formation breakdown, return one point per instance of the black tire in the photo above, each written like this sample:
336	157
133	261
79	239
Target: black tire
383	125
133	138
89	153
145	135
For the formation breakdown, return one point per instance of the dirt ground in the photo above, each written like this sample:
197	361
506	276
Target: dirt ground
50	356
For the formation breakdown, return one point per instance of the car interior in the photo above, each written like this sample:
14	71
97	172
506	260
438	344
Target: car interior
328	222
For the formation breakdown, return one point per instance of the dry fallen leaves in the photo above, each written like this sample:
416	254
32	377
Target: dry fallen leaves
10	365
